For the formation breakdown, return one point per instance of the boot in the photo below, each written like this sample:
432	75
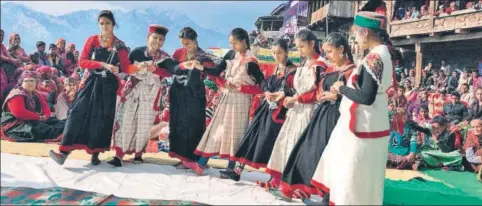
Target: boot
138	160
59	158
116	162
229	174
95	159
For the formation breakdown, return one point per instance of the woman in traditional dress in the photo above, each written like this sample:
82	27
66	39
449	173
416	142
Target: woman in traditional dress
351	170
136	113
65	98
14	40
91	119
301	105
26	116
256	146
187	98
299	168
230	121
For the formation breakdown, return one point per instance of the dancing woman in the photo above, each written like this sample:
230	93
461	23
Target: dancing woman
301	105
91	119
230	120
256	145
136	111
361	134
187	98
299	169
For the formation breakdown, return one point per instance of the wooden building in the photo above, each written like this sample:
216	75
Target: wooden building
455	37
328	16
270	25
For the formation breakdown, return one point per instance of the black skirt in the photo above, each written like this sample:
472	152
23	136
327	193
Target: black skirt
187	119
91	117
31	131
258	142
307	152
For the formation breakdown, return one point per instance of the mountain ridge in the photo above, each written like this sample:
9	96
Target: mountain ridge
77	26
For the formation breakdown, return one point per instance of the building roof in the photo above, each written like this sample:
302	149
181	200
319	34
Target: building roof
268	19
278	10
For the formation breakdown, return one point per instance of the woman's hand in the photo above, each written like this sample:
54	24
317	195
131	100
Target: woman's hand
335	88
289	101
43	118
230	85
111	68
279	96
269	96
198	65
329	96
188	65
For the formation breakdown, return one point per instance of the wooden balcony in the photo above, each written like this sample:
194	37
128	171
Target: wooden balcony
320	14
459	22
334	9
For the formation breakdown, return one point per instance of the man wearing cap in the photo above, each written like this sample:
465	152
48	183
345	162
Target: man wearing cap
455	111
438	147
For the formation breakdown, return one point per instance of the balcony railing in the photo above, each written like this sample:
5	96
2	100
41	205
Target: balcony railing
457	21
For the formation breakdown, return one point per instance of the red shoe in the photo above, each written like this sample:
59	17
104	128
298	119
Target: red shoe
194	166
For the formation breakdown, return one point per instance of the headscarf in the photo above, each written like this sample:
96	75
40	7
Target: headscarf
11	37
44	69
29	98
157	29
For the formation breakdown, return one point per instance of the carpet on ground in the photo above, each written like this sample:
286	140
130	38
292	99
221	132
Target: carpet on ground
66	196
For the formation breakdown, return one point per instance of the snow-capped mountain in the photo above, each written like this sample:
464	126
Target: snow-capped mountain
77	26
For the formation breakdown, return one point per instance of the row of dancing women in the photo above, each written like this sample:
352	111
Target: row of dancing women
337	150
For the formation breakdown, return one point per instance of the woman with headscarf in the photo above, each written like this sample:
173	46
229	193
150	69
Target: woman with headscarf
299	169
136	111
258	142
230	121
65	98
70	61
14	40
26	115
91	118
187	98
7	63
361	134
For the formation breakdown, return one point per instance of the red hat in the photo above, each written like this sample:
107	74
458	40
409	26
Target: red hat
44	69
158	29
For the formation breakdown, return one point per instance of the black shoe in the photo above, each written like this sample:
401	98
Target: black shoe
116	162
59	158
326	199
229	174
95	159
138	160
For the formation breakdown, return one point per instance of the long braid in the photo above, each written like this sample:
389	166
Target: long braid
386	41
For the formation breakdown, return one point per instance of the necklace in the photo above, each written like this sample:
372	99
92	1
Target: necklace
104	39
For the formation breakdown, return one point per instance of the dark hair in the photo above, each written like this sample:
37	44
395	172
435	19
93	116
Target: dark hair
107	14
240	34
455	94
188	33
442	121
1	30
39	44
401	87
337	40
383	35
307	35
281	43
52	46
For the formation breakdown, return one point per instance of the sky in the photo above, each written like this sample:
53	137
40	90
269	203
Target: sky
209	14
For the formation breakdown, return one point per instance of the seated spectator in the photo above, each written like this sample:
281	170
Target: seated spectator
422	116
402	147
453	82
54	59
451	8
424	12
455	111
465	96
428	68
65	98
440	11
7	63
415	13
420	101
40	57
408	14
398	100
478	5
473	145
475	110
26	114
14	40
438	146
442	81
464	78
424	81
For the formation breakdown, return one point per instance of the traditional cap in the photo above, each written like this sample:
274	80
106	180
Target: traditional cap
60	40
44	69
370	20
158	29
